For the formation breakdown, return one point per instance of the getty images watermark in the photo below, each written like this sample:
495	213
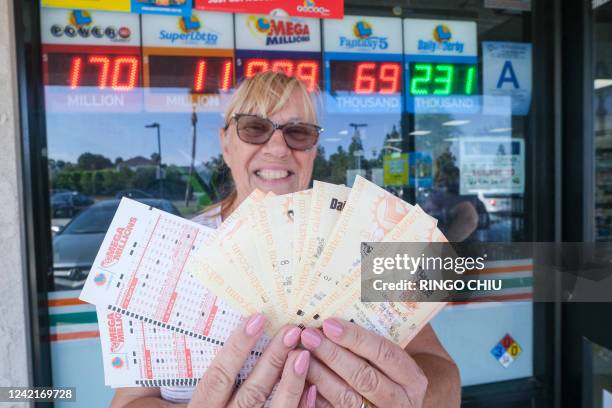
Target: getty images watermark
485	272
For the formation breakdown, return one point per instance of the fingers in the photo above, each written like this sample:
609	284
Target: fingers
291	385
390	358
332	390
260	382
309	397
217	384
365	379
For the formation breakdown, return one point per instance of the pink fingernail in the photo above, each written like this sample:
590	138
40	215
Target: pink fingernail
301	362
291	337
311	397
311	339
255	325
332	328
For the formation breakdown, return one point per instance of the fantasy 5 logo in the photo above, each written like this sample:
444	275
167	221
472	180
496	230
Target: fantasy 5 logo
442	37
189	30
362	31
278	31
80	24
310	7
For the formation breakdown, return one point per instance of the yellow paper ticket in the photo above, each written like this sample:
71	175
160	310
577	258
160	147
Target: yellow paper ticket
301	211
326	205
273	221
397	321
369	214
227	270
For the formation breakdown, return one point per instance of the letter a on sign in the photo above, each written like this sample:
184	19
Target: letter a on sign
508	75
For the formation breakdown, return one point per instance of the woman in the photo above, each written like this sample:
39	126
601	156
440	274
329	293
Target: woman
269	142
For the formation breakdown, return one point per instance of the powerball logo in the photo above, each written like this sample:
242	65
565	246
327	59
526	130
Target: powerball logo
275	31
118	243
80	24
189	30
364	38
309	6
441	41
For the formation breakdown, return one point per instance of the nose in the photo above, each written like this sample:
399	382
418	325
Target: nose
276	146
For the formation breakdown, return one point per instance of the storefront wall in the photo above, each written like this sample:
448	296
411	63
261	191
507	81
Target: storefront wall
14	338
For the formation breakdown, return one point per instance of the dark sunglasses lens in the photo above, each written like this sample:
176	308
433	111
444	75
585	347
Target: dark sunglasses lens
252	129
301	136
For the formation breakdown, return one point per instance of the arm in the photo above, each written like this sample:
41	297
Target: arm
444	389
464	221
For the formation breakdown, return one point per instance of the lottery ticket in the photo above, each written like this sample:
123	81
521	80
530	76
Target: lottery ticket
326	204
397	321
369	214
229	265
137	353
140	273
274	224
301	210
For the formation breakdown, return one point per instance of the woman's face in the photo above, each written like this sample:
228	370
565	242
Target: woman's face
272	166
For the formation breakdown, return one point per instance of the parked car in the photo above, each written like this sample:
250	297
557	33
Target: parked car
68	204
75	246
133	193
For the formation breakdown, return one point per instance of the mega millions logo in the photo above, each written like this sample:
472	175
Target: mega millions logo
81	24
364	38
117	362
190	30
118	243
309	6
273	31
442	40
115	331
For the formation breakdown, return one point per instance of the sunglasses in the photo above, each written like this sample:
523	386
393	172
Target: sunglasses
256	130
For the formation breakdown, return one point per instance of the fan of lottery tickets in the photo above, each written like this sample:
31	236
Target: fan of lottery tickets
168	291
296	257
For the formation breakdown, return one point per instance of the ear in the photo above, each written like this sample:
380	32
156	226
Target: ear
224	143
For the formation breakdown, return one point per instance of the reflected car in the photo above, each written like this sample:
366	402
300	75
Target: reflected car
76	245
133	193
69	203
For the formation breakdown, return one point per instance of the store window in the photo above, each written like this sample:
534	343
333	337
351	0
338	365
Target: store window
435	106
602	111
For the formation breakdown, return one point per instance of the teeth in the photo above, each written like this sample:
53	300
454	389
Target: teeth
272	174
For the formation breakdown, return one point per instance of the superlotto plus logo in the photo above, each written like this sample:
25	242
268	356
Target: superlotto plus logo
363	38
442	40
310	6
189	29
81	24
273	31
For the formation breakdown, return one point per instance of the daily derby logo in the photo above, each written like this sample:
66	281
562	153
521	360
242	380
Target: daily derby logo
364	38
190	30
442	41
278	31
81	24
309	6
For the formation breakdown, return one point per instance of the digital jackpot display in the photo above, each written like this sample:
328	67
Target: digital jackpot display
291	45
189	62
91	61
441	66
363	65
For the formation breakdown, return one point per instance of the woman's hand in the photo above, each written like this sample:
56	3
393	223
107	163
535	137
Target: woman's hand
217	387
356	363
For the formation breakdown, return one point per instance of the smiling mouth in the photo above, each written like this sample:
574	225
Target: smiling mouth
273	174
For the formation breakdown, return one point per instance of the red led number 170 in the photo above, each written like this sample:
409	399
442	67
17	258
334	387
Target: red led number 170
373	77
118	73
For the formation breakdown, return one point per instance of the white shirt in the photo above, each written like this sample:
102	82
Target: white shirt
183	395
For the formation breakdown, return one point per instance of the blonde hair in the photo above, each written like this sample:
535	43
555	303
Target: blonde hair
265	94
